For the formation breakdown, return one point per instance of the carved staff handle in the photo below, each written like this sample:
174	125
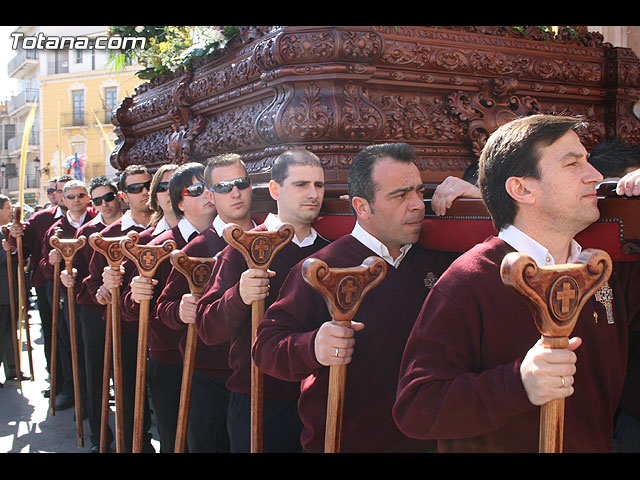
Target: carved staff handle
147	259
12	309
343	290
109	247
258	249
68	249
555	295
197	271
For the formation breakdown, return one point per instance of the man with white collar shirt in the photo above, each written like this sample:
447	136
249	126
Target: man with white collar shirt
297	339
32	232
474	371
224	311
133	186
104	196
76	199
195	212
229	189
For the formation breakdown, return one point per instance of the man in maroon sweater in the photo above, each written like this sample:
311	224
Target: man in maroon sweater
224	311
104	195
195	212
229	190
297	340
32	232
474	372
76	199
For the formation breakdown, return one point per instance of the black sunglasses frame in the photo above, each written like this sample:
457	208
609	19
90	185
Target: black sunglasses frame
194	190
137	187
227	185
97	201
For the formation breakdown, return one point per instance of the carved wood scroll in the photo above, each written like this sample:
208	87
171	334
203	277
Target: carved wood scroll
343	290
555	295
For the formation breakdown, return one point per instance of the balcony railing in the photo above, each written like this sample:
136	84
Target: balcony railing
61	66
31	180
85	118
15	144
25	97
21	57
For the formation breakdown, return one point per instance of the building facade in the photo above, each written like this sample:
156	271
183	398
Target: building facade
76	90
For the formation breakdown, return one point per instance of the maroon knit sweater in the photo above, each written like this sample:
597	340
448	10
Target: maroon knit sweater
460	381
284	347
223	316
211	361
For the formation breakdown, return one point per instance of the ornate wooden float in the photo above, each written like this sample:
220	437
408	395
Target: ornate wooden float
335	89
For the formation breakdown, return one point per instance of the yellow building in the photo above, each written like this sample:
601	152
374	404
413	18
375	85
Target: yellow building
75	110
75	91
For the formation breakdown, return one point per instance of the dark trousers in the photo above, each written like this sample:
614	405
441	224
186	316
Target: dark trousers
129	346
7	354
207	426
44	309
164	382
93	335
64	380
64	349
282	425
626	438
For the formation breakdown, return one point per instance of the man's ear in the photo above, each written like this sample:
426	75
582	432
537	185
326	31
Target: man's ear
274	190
519	189
361	207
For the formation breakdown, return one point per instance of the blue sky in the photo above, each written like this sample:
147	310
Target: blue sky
8	86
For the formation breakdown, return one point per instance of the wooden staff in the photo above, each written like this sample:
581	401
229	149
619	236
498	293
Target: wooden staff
258	249
110	248
12	307
23	299
197	271
55	310
68	248
343	290
147	258
555	295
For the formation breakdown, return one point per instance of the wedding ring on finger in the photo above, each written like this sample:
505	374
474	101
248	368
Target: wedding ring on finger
562	379
337	352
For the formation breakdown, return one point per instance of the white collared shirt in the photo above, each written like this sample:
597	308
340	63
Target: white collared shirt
97	219
59	212
79	223
219	225
161	226
128	222
186	228
523	243
377	247
272	222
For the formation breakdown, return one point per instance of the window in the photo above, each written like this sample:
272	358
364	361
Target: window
78	56
78	107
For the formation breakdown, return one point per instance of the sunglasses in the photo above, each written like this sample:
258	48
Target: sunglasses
227	185
73	197
51	190
137	187
194	190
163	187
107	197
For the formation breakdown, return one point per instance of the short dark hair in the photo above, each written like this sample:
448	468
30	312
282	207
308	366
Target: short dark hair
513	150
130	170
360	180
280	167
613	157
223	160
181	179
4	199
102	181
65	178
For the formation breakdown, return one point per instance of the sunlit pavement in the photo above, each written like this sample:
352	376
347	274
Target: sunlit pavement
25	423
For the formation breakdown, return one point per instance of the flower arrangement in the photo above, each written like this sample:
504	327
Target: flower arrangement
168	48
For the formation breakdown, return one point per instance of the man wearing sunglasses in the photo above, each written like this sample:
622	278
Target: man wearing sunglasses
51	192
224	311
195	213
32	232
133	186
227	187
76	199
104	196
